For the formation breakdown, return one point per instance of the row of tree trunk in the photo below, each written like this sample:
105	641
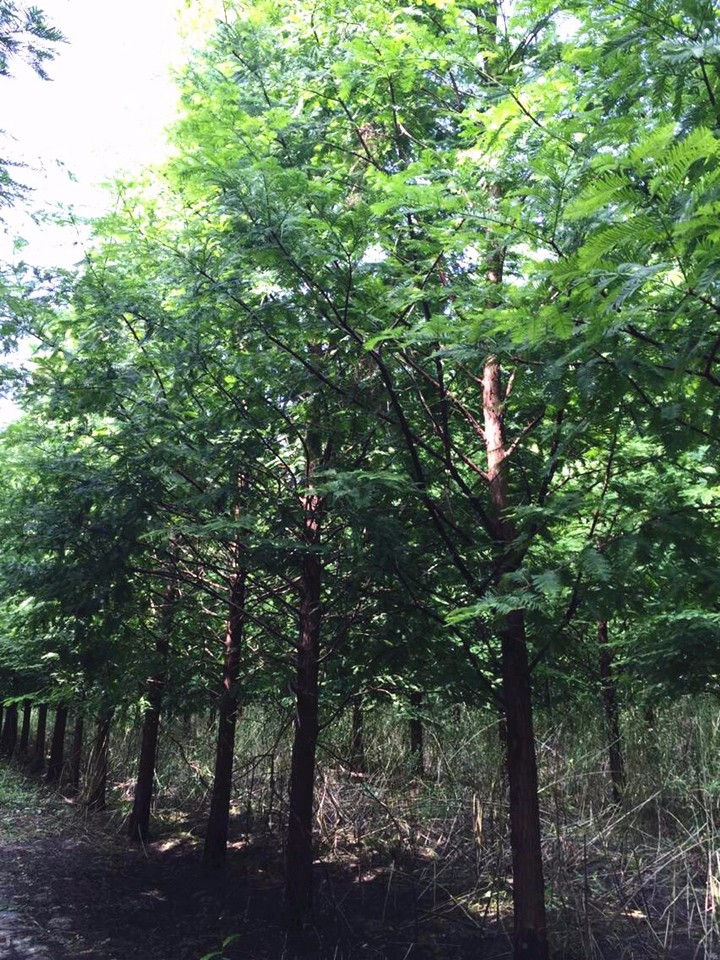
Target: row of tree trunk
59	767
15	737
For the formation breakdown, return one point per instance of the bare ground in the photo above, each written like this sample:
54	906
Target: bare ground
73	887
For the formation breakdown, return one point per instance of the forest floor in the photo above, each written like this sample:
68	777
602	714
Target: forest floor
72	886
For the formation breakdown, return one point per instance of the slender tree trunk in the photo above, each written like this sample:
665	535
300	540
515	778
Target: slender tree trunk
76	754
96	796
525	838
611	709
57	746
299	852
138	825
417	741
38	761
216	836
24	745
8	738
357	739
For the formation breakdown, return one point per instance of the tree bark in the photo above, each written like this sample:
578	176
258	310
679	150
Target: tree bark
38	761
76	754
96	796
8	738
299	851
138	824
525	837
24	744
611	709
57	747
216	835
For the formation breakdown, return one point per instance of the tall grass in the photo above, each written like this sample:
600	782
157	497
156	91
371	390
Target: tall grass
637	879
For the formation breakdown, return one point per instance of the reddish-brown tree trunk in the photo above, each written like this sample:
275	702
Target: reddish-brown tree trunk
611	709
24	744
8	737
38	761
57	746
76	754
299	851
525	837
96	796
138	824
216	835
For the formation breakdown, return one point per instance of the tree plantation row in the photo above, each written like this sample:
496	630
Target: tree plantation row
397	382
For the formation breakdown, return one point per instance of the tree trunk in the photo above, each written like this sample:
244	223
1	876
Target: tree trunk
38	761
57	747
357	739
138	824
8	738
525	837
611	709
76	754
299	852
96	799
216	836
24	745
417	743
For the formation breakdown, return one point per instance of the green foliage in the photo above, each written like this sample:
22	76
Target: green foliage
302	302
25	35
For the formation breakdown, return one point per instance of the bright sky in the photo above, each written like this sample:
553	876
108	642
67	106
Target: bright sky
103	113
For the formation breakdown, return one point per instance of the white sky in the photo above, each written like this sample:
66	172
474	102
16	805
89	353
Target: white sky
103	113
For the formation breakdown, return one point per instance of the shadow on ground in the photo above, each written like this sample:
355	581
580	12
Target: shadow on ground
88	894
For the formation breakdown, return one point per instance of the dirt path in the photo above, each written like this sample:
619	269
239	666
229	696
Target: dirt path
21	940
73	887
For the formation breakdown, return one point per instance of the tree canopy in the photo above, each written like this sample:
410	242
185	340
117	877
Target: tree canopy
410	352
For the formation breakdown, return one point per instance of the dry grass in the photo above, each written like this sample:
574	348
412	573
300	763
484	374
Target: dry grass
640	880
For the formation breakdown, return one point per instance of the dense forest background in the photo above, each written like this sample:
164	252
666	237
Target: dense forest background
365	492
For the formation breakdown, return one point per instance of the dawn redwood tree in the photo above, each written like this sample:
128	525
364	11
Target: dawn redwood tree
374	205
24	744
76	751
216	835
611	709
8	737
494	249
95	794
56	760
528	883
139	820
38	761
27	37
299	848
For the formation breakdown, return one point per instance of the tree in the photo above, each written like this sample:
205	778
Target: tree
412	347
25	36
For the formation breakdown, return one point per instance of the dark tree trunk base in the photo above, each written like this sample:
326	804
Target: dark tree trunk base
57	748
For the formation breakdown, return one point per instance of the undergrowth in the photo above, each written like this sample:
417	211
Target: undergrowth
639	879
